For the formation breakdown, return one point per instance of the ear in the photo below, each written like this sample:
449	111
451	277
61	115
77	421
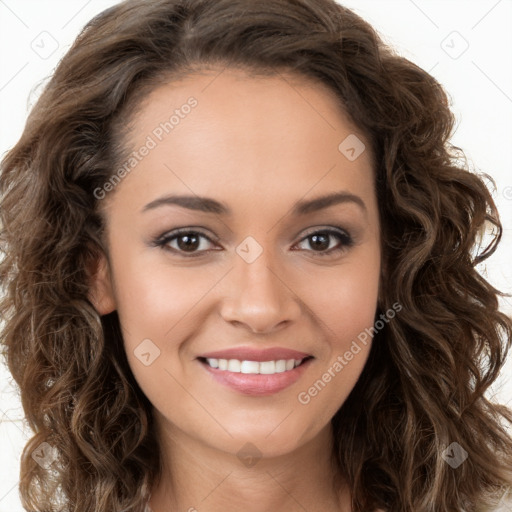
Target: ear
100	288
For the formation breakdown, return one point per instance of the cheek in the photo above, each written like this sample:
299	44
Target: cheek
352	307
153	300
157	307
345	308
345	300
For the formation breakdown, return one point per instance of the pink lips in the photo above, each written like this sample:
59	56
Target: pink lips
257	384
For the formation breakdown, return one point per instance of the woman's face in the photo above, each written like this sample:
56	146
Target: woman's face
263	270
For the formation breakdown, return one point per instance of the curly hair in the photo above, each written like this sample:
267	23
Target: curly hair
424	383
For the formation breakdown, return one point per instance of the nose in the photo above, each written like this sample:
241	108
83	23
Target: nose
258	296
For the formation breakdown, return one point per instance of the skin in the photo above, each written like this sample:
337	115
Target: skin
258	145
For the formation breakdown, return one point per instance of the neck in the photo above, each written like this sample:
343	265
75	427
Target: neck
196	476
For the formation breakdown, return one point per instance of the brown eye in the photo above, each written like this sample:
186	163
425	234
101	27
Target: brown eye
189	242
185	241
320	241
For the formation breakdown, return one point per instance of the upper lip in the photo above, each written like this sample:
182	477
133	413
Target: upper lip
255	354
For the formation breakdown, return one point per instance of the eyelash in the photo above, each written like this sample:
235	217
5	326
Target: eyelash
343	236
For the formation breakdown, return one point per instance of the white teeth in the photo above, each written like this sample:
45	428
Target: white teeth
280	366
263	367
250	367
234	365
267	367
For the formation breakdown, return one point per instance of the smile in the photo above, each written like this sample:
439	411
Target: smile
256	378
260	367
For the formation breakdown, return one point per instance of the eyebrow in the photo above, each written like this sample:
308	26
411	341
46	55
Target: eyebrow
209	205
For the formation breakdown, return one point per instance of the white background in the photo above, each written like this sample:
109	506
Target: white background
35	34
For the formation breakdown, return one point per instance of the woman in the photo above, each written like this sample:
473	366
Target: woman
240	272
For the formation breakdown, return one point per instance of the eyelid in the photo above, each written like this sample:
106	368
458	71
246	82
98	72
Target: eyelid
173	233
324	229
330	231
165	239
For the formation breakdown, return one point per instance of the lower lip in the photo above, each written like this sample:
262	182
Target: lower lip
257	384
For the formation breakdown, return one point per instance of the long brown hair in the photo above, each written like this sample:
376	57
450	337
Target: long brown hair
424	384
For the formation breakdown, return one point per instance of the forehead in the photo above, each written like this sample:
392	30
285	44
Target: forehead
248	101
226	133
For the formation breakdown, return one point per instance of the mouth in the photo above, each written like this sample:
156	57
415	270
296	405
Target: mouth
270	367
255	378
